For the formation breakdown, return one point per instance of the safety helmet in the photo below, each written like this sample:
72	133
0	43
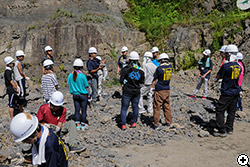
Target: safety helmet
92	50
154	49
148	54
239	56
124	49
47	63
163	56
207	52
57	98
231	48
47	48
98	57
78	63
19	53
133	56
8	60
233	57
223	48
23	125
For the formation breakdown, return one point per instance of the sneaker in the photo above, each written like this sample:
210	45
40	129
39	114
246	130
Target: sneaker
204	98
78	127
124	127
133	125
193	97
218	134
76	149
84	126
229	132
156	126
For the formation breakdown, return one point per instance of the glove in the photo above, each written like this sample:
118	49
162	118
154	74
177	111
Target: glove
241	94
125	81
27	78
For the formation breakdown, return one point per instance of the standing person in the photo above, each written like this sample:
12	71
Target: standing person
12	88
49	81
242	66
223	56
163	74
155	52
20	78
123	61
93	66
205	68
53	115
148	69
78	85
230	90
47	149
102	74
48	56
131	78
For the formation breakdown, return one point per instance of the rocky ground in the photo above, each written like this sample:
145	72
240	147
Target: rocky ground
187	143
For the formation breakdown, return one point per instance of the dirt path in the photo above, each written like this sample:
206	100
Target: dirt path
202	152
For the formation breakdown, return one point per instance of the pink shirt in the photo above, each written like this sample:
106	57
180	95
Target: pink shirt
241	74
223	61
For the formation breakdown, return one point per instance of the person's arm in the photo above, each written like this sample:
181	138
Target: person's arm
153	83
117	72
206	73
19	67
14	85
60	125
95	70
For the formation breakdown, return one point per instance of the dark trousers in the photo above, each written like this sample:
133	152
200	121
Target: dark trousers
80	103
126	98
226	103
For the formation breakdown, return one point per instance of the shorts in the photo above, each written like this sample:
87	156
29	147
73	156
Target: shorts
13	100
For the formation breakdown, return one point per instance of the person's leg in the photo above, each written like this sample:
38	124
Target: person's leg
11	104
84	102
143	93
205	87
100	78
157	106
231	114
77	109
150	100
125	104
198	86
94	88
135	101
220	113
166	107
21	95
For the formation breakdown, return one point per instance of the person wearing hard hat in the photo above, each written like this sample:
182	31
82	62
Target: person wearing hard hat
102	74
78	87
49	80
155	52
223	56
93	65
230	89
132	76
48	56
20	78
123	61
163	75
47	149
149	69
53	115
242	66
11	85
204	71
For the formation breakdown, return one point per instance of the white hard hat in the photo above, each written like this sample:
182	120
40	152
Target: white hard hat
57	98
92	50
223	48
23	125
98	57
148	54
78	63
8	60
19	53
47	62
47	48
124	49
207	52
163	56
233	57
154	49
133	56
231	48
239	56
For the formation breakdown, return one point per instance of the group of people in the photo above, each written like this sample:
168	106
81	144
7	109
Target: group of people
151	79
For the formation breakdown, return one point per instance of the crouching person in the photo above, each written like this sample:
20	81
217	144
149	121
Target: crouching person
47	149
53	115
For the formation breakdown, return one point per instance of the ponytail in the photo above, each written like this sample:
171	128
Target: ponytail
74	75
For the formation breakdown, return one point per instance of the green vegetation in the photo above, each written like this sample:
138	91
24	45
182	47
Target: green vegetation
113	54
61	67
31	27
62	13
112	82
188	61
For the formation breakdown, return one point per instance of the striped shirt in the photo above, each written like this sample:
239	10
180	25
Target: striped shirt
49	83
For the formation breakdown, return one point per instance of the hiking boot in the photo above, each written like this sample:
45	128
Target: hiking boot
218	134
193	97
76	149
124	127
204	98
133	125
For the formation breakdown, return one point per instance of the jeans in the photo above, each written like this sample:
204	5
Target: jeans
201	80
126	98
80	102
94	85
226	103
